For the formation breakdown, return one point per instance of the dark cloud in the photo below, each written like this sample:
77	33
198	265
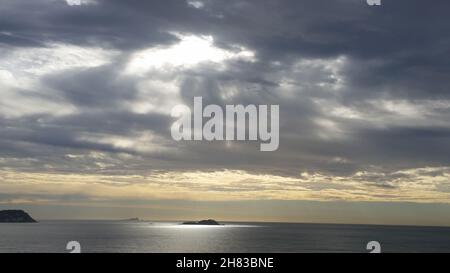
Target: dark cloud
92	88
106	23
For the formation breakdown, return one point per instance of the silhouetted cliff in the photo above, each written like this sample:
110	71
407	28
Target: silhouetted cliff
15	216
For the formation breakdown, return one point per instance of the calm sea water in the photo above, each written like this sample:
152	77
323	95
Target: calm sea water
111	236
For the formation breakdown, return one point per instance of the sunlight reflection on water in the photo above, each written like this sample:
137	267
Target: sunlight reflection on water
181	226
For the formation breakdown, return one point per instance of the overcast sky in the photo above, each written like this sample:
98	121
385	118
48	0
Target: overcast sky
86	93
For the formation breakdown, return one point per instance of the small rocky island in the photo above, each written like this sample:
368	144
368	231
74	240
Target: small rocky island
15	216
135	219
209	222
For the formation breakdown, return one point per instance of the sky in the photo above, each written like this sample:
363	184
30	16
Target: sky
87	88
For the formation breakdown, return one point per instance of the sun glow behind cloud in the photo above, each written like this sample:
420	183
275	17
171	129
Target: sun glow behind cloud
188	52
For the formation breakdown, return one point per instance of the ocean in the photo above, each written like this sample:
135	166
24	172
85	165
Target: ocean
138	237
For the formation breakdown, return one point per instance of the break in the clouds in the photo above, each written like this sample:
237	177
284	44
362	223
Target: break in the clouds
87	88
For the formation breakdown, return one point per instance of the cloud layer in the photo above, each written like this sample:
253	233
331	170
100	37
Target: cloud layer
86	93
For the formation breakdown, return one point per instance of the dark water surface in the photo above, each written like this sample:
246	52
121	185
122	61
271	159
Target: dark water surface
115	236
